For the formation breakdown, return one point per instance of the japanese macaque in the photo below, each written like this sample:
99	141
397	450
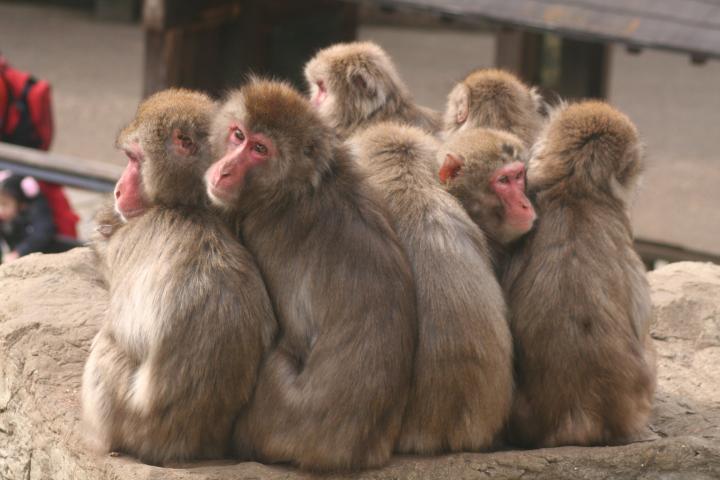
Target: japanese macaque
333	391
495	99
580	303
354	85
485	170
189	318
463	382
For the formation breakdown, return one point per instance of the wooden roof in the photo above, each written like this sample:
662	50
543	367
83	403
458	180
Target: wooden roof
683	25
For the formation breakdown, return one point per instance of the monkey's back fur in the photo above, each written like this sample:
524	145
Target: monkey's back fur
332	393
579	298
463	383
176	359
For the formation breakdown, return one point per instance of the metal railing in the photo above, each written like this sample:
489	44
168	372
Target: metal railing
62	169
101	177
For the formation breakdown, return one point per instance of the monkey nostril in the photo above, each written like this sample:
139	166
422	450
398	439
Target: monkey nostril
117	194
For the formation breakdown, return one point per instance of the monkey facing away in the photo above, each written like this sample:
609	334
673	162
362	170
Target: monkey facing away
354	85
495	99
577	291
332	392
463	381
189	318
485	170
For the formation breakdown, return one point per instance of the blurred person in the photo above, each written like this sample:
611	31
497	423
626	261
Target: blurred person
26	220
26	120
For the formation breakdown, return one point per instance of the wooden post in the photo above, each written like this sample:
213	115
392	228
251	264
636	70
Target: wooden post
572	68
213	45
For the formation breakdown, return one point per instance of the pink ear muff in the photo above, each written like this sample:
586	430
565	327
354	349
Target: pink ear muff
30	187
4	174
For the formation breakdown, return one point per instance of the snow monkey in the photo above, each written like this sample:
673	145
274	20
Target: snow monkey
577	291
333	391
495	99
463	382
189	319
354	85
485	170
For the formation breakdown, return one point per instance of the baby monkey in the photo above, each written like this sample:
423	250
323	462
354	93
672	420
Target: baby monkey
577	291
189	319
355	85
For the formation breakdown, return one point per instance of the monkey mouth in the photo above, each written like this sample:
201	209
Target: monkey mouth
126	215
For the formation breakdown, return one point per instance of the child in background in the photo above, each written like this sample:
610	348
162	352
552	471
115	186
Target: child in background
26	220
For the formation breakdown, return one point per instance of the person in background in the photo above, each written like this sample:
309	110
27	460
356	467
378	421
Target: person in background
26	220
26	120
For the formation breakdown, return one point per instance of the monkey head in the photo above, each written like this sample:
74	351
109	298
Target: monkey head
588	147
496	99
168	151
485	170
269	141
350	81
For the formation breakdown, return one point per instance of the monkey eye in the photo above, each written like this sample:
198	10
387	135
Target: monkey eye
504	179
519	176
260	148
239	134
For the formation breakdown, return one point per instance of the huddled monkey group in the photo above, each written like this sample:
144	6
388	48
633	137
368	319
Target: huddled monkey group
325	280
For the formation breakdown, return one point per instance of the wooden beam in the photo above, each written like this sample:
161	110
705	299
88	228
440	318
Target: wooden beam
650	251
213	45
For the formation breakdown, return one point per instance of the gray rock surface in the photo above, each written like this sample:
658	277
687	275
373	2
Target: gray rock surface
51	305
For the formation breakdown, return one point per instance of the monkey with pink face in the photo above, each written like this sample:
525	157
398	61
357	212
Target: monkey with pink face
332	392
189	318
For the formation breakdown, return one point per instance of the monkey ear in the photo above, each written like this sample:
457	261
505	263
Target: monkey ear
462	106
182	144
361	79
451	167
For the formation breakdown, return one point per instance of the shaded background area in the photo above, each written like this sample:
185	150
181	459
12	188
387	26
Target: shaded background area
97	70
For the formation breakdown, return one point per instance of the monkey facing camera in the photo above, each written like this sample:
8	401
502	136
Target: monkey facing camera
332	393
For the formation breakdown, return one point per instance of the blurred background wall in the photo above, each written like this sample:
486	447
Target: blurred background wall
103	56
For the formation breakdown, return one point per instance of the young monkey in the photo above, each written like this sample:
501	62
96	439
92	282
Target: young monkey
189	318
462	388
495	99
354	85
485	170
332	392
577	291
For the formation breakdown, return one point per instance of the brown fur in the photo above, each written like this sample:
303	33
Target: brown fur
579	299
495	99
463	383
189	317
333	391
364	88
483	152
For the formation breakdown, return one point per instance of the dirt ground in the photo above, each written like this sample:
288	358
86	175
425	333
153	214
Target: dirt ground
96	72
